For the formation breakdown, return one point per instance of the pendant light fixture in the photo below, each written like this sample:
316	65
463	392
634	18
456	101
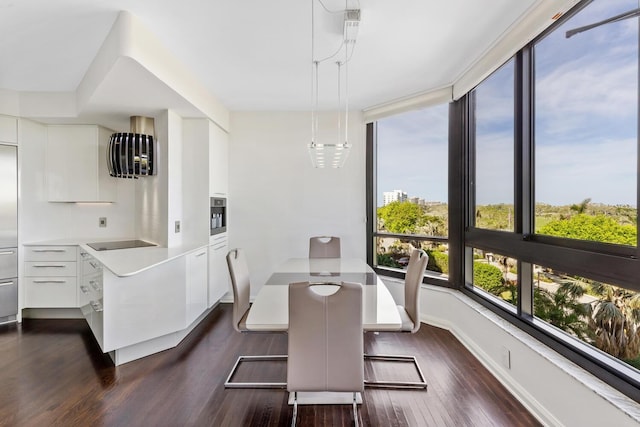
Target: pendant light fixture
333	155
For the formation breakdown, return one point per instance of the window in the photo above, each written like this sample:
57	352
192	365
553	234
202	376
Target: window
411	181
494	131
550	141
599	314
586	124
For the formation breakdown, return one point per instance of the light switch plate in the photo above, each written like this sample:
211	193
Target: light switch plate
102	221
177	227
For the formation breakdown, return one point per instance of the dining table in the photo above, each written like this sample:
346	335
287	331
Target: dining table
270	308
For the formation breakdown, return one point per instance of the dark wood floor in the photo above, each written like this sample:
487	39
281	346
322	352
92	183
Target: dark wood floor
53	374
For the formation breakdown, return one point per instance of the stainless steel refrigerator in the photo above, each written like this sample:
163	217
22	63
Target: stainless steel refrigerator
8	233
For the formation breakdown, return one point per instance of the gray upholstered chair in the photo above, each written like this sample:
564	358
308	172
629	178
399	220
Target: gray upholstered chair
325	342
239	272
324	247
410	315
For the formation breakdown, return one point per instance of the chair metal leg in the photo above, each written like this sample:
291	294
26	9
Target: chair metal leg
229	384
422	384
355	410
295	409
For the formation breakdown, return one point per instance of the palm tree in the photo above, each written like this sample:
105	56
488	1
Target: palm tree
582	207
615	319
563	308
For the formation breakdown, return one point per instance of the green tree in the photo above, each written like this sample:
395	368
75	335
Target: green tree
581	207
402	217
563	308
488	277
615	319
600	228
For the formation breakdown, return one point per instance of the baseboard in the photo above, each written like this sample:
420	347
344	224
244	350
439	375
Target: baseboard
514	387
52	313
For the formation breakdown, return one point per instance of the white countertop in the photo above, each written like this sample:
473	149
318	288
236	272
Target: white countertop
126	262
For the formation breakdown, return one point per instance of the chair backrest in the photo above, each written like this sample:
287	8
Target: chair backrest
412	281
326	351
239	272
324	247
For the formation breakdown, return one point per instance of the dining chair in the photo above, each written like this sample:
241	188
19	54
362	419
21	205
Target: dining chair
241	285
324	247
410	316
325	341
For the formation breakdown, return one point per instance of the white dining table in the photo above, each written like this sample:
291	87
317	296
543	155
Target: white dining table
270	308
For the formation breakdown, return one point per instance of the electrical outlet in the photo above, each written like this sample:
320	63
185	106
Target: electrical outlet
505	357
102	221
177	227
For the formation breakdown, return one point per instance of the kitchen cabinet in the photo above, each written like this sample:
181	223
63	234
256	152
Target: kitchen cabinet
76	165
50	277
218	270
8	130
218	162
196	284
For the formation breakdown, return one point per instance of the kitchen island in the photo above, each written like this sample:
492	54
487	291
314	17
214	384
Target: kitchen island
142	300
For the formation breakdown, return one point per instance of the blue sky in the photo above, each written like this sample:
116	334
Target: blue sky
586	123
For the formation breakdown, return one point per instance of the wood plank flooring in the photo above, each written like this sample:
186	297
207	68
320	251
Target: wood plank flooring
52	373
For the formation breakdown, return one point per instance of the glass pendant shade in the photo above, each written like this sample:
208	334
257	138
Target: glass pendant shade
329	155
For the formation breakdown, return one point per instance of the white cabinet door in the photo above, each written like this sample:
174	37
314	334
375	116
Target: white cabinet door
218	270
196	285
218	161
76	165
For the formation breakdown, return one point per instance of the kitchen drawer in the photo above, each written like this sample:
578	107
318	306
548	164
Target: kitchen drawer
50	292
8	263
97	321
50	268
50	253
8	297
90	289
91	266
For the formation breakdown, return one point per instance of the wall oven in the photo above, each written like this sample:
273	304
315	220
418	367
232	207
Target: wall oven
218	215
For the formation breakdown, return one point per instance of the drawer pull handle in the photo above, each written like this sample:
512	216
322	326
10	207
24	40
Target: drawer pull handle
93	264
49	250
6	283
49	281
95	285
7	252
49	266
200	254
84	289
96	306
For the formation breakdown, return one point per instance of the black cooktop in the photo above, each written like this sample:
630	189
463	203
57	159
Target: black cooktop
123	244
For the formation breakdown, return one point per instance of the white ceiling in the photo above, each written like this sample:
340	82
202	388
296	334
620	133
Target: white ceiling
255	54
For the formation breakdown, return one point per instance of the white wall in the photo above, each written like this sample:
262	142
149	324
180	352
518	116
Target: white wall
40	220
195	181
277	200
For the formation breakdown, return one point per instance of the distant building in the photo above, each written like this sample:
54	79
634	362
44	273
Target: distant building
417	201
393	196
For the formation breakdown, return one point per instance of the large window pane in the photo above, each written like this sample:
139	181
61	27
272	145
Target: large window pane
599	314
412	172
586	96
494	122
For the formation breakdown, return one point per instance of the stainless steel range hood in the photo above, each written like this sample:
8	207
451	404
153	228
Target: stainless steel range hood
132	155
